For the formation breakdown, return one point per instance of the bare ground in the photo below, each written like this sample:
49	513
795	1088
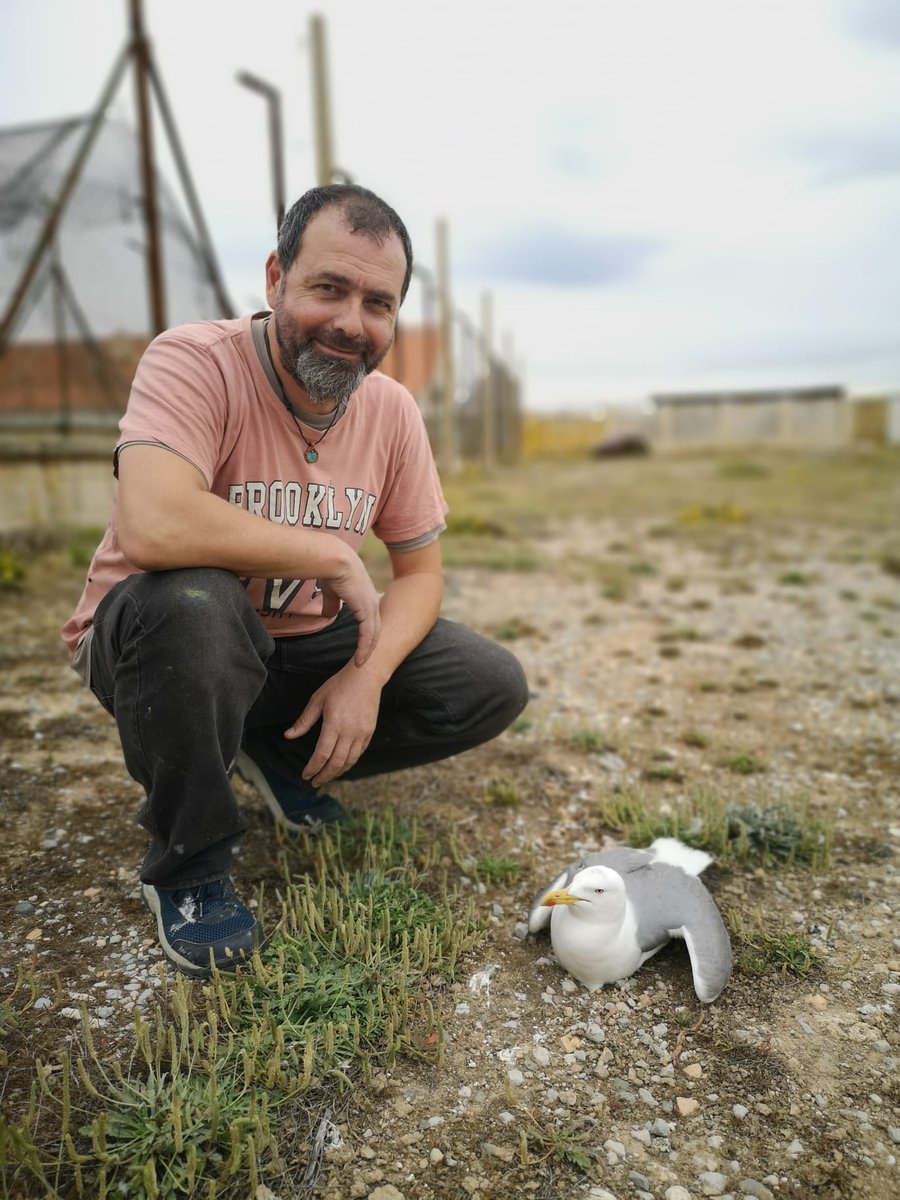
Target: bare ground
681	642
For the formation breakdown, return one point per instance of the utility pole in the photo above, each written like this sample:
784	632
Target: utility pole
447	434
321	102
488	382
272	97
141	55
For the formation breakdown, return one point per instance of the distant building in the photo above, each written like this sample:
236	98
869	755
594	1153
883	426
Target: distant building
803	418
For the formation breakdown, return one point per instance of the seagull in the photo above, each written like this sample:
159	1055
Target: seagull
611	911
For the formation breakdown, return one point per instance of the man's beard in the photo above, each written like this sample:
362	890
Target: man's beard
326	379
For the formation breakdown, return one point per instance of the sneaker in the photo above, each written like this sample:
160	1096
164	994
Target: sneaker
295	804
194	922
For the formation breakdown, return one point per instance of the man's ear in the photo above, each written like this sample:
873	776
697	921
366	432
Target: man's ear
274	276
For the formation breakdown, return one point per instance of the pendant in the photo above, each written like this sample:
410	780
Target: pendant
311	455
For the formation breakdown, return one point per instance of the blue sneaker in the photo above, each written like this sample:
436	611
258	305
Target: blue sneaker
295	804
194	922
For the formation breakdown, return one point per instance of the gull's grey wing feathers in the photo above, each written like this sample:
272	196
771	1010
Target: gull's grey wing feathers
670	903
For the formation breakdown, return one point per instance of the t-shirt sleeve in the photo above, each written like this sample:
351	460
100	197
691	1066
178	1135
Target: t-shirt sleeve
414	503
178	401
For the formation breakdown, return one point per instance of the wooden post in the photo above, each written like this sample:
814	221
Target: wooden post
321	102
141	56
447	433
488	383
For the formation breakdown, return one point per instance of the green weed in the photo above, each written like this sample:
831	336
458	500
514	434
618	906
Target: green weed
749	835
502	793
743	763
12	571
497	868
759	951
589	741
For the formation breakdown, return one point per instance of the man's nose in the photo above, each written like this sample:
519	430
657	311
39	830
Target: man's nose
349	320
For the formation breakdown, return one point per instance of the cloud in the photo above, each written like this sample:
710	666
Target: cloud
874	21
553	256
843	156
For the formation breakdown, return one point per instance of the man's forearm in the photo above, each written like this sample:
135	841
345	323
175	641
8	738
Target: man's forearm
409	608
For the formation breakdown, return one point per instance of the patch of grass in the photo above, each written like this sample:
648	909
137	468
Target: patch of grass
750	835
498	868
711	514
890	564
513	628
794	578
12	571
742	468
686	633
468	524
663	772
502	793
521	724
744	762
575	1143
761	951
493	556
589	741
344	981
695	739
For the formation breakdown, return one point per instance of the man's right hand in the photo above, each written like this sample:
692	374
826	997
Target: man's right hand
355	587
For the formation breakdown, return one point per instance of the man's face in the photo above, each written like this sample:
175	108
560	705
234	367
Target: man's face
335	309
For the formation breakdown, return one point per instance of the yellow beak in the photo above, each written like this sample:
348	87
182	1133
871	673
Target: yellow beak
560	896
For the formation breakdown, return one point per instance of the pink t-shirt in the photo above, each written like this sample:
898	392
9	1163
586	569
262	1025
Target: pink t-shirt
201	391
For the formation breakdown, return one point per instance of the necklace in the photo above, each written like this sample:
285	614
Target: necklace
311	454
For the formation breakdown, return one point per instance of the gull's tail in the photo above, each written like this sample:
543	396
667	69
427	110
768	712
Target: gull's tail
677	854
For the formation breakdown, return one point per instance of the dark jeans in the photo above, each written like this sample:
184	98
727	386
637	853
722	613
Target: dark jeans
183	663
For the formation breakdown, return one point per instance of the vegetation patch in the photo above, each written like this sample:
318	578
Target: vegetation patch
750	835
346	980
761	951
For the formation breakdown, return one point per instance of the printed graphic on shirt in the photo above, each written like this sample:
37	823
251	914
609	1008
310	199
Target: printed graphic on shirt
311	505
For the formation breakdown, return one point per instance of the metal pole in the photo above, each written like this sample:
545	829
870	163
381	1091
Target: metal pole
488	382
62	357
446	438
321	102
190	192
53	217
272	97
141	54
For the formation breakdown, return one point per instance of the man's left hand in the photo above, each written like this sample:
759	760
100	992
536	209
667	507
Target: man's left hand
347	705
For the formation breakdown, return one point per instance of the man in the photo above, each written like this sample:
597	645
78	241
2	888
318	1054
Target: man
227	621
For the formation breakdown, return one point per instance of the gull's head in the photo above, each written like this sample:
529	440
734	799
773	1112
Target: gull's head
594	891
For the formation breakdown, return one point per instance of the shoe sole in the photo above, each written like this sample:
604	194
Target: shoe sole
250	773
151	899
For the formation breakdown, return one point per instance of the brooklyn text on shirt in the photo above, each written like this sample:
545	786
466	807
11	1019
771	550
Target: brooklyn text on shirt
285	504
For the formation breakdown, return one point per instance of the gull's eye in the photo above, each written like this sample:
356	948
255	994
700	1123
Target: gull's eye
599	891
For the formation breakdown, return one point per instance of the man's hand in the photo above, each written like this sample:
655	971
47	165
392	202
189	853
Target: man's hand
355	587
347	704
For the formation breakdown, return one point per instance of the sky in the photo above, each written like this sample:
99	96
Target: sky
658	195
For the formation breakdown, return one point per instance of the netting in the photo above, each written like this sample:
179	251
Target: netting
85	317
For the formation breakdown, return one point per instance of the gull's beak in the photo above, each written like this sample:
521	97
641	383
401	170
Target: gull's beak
560	896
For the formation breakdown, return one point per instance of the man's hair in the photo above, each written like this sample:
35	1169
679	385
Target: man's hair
362	210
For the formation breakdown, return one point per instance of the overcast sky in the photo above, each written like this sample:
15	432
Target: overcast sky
659	194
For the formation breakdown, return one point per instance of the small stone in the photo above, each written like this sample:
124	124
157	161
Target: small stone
750	1187
520	931
686	1105
435	1156
795	1148
541	1056
24	908
34	935
43	1002
640	1181
387	1191
677	1192
595	1033
740	1112
818	1002
712	1183
693	1071
599	1193
661	1128
504	1153
515	1077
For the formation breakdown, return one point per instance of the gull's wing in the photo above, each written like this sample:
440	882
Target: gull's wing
669	903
